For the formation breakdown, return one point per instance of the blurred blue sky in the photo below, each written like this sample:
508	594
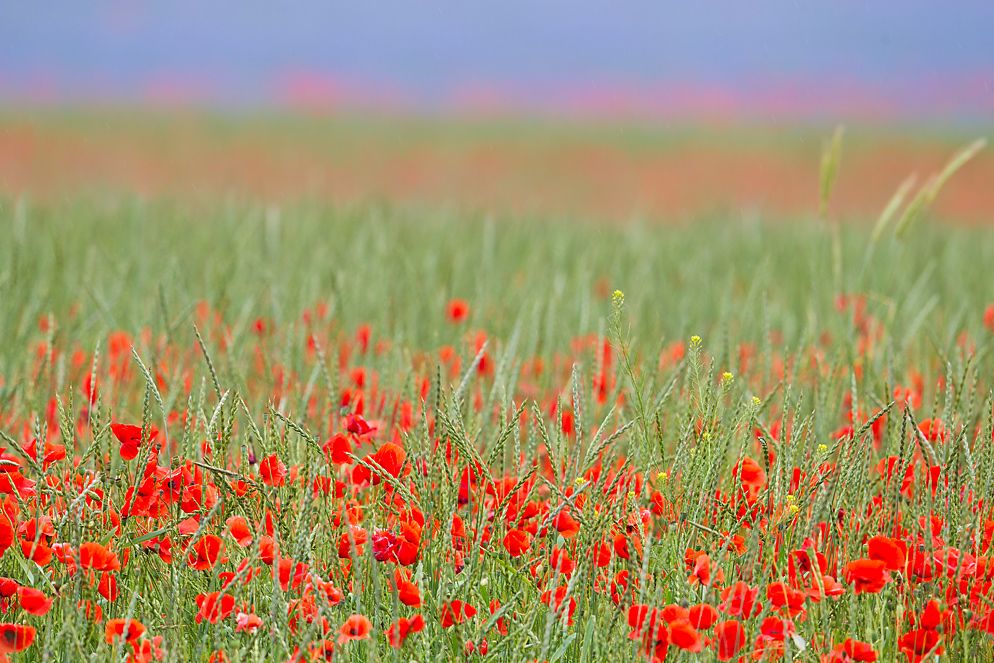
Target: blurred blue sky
905	55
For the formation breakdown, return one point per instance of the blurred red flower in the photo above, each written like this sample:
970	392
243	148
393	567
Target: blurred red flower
402	628
457	310
455	612
272	470
355	627
15	638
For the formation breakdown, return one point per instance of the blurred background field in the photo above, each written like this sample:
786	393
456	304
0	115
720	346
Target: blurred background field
615	171
573	109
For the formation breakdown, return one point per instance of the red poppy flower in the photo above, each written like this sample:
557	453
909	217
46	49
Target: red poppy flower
355	424
338	447
603	555
108	586
782	595
384	546
868	575
306	608
130	438
674	612
457	310
41	529
640	618
221	657
561	562
204	553
115	629
623	590
934	430
735	543
162	547
37	551
517	542
52	453
932	616
8	587
555	601
147	651
11	479
892	552
214	607
402	628
620	542
739	600
685	636
703	616
501	625
247	622
800	561
95	556
829	587
916	644
729	638
648	626
267	550
239	530
391	458
954	561
408	543
458	529
566	524
455	612
355	627
407	591
272	470
92	610
859	651
15	638
776	629
702	574
345	543
984	623
753	478
199	497
6	532
291	575
13	482
33	600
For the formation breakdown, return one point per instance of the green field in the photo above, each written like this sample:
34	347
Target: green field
640	441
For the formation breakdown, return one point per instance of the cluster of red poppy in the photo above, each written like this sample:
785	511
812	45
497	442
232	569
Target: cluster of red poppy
366	507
